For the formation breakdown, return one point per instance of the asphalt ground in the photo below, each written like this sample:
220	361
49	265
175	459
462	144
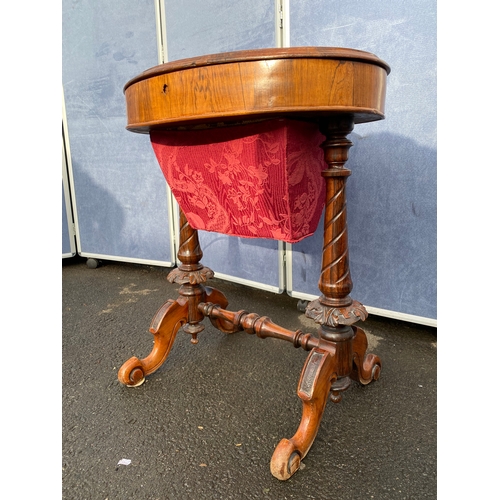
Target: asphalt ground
205	425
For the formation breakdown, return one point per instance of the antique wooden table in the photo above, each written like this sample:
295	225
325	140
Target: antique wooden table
334	88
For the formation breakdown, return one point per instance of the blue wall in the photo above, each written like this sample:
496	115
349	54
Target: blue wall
391	193
222	26
122	207
121	204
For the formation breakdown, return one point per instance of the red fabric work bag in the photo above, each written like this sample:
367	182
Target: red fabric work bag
257	180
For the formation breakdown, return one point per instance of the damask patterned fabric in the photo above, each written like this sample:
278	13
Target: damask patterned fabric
258	180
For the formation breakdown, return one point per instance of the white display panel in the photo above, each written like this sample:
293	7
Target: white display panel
121	201
196	28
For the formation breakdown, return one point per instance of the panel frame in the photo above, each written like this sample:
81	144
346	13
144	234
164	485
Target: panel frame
301	295
160	40
68	203
279	36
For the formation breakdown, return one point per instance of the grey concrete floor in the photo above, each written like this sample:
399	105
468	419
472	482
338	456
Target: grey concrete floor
205	425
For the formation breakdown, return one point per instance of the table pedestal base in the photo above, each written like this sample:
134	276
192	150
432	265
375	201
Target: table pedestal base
337	355
324	374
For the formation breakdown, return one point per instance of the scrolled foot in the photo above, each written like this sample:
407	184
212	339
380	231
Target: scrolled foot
285	460
370	369
132	373
366	367
314	388
165	325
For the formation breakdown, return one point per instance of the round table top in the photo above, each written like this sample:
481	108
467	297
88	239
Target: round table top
298	82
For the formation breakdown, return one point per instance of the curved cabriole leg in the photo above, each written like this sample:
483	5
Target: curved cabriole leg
215	296
165	325
314	388
366	367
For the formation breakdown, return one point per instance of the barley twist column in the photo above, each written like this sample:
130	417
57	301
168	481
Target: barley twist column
335	306
335	278
191	274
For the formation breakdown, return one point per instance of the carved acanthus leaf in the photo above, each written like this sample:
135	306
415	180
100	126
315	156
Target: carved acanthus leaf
192	277
333	316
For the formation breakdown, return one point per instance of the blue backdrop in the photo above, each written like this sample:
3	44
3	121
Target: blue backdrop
122	207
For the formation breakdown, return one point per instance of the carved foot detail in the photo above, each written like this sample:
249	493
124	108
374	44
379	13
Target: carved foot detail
314	388
165	325
285	461
366	367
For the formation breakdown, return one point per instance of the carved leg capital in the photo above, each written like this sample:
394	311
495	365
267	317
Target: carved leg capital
335	316
192	277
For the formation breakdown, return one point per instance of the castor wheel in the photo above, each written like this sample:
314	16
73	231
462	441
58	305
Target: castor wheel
301	305
285	460
93	263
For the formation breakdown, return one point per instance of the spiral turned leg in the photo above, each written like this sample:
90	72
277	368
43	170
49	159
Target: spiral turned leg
314	388
165	325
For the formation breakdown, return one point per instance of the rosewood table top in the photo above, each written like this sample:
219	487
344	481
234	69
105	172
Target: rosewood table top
298	82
